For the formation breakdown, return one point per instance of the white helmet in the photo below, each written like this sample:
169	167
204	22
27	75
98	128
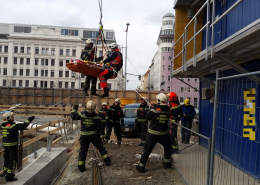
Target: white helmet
91	106
144	98
89	41
8	116
104	103
113	45
162	99
118	100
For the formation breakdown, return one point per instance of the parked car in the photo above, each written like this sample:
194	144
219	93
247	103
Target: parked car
129	118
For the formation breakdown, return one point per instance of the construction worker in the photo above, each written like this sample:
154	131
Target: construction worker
102	115
140	120
188	112
113	62
114	115
10	142
174	105
157	132
90	133
87	55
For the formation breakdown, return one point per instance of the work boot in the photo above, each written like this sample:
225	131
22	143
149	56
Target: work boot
105	94
3	174
81	168
85	90
107	161
10	177
182	141
118	142
140	169
167	165
141	144
93	91
186	141
175	151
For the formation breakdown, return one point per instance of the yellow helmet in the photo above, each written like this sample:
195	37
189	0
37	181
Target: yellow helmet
187	102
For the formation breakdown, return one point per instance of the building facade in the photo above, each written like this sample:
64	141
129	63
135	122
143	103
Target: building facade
36	55
144	81
161	68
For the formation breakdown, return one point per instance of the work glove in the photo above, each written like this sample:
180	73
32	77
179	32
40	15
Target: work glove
122	122
76	107
31	118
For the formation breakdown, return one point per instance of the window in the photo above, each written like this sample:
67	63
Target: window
163	68
14	71
35	83
4	83
21	61
169	68
43	51
26	83
67	61
61	51
15	49
169	78
181	99
188	79
27	72
46	62
21	72
52	84
188	89
60	84
46	73
0	48
166	49
42	63
67	85
37	50
36	61
163	58
72	85
67	52
167	32
110	35
61	62
28	50
188	98
42	83
69	32
42	72
60	73
22	29
52	62
67	74
5	71
14	83
195	103
196	79
169	89
28	61
73	52
163	78
195	90
182	89
22	50
36	72
169	58
52	73
82	76
47	51
20	83
6	59
6	49
53	51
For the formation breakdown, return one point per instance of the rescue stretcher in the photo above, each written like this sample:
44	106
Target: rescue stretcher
87	68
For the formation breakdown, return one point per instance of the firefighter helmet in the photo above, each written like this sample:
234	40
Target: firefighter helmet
144	98
113	45
162	99
89	41
187	101
172	96
91	106
118	100
104	103
8	116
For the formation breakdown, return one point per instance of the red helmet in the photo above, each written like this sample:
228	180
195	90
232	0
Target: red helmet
172	96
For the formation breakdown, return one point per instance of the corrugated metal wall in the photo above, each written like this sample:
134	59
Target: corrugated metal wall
230	143
241	16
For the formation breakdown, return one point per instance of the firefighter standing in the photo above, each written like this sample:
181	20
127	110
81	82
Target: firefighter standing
114	115
157	132
90	130
174	105
10	142
88	55
140	121
102	115
115	61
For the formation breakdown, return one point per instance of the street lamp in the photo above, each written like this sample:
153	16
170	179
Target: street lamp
127	24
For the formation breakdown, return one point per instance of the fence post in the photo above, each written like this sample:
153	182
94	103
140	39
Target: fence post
214	130
49	142
208	161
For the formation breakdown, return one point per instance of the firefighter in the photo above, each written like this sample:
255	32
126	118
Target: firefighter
88	55
157	132
114	115
174	105
10	142
113	62
140	120
102	115
90	131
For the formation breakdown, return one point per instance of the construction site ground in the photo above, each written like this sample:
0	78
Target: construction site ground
122	170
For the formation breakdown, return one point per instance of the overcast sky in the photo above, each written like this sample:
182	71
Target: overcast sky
144	17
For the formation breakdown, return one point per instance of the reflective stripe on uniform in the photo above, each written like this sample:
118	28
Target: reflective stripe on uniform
105	156
74	110
142	120
174	147
140	164
85	133
81	162
5	169
167	160
10	144
157	132
8	127
103	120
27	121
113	121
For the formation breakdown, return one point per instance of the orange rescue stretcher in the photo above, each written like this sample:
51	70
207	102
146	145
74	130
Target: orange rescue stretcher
87	68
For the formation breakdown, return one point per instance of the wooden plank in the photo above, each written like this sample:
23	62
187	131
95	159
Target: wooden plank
27	132
26	143
56	141
56	130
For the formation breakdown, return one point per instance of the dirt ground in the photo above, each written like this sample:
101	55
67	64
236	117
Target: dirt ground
122	170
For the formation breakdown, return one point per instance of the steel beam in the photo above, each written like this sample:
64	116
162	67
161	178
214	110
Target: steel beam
187	84
203	78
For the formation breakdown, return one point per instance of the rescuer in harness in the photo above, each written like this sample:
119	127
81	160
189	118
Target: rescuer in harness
90	131
87	55
174	105
115	61
10	142
157	132
102	115
114	115
140	120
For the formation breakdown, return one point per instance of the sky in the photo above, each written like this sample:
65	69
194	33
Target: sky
144	16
